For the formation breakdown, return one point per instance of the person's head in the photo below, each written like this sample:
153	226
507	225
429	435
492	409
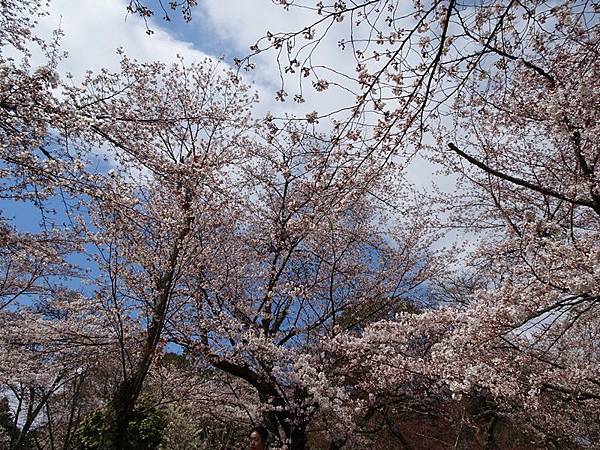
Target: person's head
258	438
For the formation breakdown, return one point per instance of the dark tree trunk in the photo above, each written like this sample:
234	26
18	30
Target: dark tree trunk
116	436
297	438
118	418
294	431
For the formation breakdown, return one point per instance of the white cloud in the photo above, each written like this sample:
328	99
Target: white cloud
94	29
242	25
249	20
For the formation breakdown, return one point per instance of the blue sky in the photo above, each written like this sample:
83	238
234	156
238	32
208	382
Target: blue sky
200	33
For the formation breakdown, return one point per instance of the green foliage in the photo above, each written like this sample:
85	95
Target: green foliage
90	432
145	431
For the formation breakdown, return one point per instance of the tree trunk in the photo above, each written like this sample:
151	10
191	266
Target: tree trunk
297	437
294	434
118	418
123	403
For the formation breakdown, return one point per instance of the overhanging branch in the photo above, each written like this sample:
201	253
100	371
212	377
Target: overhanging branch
521	182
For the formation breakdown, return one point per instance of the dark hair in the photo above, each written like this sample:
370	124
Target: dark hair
264	433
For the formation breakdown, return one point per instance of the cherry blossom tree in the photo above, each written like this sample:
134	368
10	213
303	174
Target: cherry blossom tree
170	158
532	155
304	256
174	133
35	365
521	141
292	269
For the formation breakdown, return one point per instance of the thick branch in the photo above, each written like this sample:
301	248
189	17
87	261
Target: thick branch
521	182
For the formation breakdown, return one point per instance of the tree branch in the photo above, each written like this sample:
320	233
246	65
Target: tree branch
521	182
